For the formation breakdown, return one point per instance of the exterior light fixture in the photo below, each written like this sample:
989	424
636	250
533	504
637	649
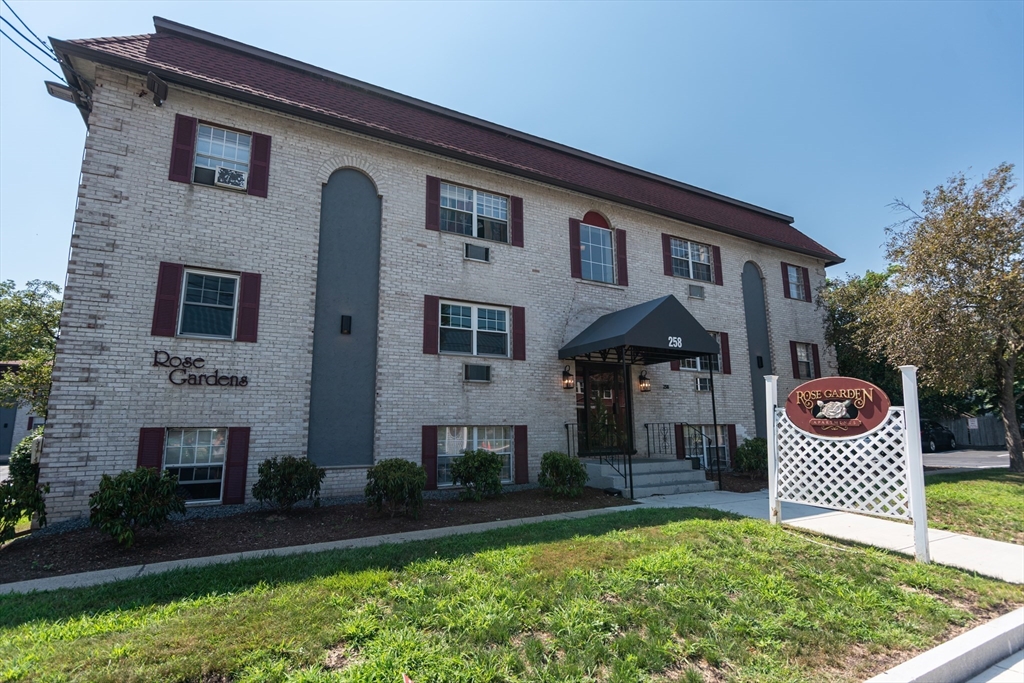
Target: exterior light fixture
568	381
645	381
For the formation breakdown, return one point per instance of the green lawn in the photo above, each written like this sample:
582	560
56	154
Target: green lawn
988	503
659	595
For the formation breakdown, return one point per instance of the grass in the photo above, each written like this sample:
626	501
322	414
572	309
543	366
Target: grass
643	595
987	503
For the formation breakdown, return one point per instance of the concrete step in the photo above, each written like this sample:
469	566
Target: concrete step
643	466
680	473
670	489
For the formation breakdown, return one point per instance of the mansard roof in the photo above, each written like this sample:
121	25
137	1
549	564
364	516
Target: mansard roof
190	57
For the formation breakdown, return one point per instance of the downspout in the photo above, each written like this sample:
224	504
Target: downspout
714	419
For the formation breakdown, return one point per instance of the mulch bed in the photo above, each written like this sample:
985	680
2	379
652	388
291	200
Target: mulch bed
88	549
738	482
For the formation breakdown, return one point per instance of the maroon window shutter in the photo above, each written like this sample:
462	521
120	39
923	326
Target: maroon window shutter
151	447
666	254
521	454
723	341
575	259
518	333
716	258
732	440
620	257
168	293
429	454
785	280
680	443
248	307
673	365
183	148
431	322
517	221
259	166
796	361
817	360
433	203
235	465
807	285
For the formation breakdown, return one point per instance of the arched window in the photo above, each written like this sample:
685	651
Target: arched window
597	254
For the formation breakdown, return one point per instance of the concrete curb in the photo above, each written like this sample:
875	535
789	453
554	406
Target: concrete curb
964	656
124	573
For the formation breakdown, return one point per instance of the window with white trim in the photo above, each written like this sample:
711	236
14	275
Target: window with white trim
796	282
220	147
700	443
208	305
597	258
473	329
453	442
474	213
197	456
691	260
703	363
805	360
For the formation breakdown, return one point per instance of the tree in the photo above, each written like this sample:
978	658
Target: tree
955	302
29	326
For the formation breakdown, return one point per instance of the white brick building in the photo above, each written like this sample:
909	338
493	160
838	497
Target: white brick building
348	184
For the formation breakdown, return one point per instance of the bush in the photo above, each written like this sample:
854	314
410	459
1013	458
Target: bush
751	456
286	481
21	495
479	472
562	475
134	500
396	485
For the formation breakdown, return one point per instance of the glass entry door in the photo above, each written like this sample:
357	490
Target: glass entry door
602	409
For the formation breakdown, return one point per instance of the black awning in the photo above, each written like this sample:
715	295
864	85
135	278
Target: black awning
658	331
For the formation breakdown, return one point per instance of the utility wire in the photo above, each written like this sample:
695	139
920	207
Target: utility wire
31	56
41	41
14	28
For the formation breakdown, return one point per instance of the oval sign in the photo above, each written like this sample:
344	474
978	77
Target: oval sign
837	407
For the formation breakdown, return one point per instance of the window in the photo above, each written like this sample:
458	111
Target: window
700	443
452	442
217	147
805	360
702	383
796	282
596	258
704	364
691	260
208	305
197	457
472	329
474	213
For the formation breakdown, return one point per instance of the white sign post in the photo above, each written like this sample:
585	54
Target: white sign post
915	463
771	392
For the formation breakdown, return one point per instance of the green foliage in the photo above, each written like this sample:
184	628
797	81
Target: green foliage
21	495
396	485
286	481
29	324
751	456
134	500
562	475
986	503
479	472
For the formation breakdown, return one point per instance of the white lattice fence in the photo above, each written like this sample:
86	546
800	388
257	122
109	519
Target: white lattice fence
866	474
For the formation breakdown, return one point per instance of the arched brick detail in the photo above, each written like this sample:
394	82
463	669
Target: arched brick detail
361	164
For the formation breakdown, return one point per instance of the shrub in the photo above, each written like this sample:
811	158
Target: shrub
286	481
562	475
397	486
751	456
479	472
134	500
21	495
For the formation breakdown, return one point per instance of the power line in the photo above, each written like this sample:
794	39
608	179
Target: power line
41	41
31	56
26	38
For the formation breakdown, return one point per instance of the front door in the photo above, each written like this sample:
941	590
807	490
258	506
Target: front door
602	411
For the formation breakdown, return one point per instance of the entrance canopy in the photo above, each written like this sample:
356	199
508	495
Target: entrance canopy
658	331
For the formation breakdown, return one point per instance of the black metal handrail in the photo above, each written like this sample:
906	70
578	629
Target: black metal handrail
621	462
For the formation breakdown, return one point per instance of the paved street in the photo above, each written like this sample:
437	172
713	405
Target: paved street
967	459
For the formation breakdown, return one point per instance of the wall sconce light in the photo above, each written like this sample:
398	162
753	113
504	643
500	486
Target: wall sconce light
568	381
346	324
645	381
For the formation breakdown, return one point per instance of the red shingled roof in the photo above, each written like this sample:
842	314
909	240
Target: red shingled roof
181	54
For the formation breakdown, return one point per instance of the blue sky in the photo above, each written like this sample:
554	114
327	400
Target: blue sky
823	111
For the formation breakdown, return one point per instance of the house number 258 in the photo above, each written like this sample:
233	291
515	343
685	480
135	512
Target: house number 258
675	342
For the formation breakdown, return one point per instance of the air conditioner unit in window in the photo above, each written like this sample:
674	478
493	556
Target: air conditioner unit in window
229	177
696	292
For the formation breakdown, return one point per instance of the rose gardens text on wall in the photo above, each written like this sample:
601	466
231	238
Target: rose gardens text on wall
180	373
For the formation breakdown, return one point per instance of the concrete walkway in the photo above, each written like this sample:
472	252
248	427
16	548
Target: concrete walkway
1010	670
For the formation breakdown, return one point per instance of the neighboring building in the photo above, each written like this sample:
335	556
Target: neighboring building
15	423
395	280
